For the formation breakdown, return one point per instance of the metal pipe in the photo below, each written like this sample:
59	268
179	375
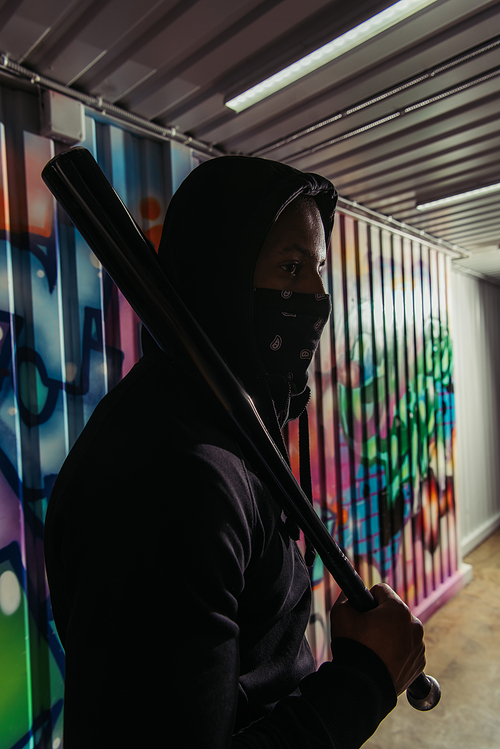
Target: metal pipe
78	183
106	108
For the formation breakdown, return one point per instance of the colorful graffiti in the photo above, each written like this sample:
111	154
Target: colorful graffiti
382	416
66	336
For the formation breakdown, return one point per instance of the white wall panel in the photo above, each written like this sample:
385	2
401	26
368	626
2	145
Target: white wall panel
475	318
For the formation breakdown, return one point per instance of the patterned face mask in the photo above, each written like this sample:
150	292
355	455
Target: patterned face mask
288	326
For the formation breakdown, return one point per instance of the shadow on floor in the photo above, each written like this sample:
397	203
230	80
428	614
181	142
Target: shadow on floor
463	654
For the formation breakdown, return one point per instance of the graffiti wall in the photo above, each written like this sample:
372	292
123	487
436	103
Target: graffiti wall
66	336
382	418
381	412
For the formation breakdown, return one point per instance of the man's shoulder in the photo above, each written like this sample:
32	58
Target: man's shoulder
154	404
155	422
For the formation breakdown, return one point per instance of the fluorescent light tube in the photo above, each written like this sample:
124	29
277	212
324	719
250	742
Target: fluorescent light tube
455	198
328	52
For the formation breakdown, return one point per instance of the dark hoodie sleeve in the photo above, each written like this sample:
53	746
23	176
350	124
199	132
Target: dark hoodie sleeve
340	707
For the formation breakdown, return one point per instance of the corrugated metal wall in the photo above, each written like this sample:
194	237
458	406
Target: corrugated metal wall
66	337
476	333
381	412
382	418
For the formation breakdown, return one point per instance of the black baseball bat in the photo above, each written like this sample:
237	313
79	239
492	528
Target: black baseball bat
77	182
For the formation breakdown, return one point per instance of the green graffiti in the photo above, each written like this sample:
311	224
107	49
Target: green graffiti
32	391
14	694
398	442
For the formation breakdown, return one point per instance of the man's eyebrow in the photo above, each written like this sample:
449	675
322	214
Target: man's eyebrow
299	248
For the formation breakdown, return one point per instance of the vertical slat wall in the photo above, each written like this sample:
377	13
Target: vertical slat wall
382	418
66	337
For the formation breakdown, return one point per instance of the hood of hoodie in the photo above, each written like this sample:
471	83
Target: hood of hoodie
215	227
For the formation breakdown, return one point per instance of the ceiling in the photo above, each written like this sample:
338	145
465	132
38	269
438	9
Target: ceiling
408	117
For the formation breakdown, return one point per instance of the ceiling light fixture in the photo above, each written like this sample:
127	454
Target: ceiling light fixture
460	196
328	52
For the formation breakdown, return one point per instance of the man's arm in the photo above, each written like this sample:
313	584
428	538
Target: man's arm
376	656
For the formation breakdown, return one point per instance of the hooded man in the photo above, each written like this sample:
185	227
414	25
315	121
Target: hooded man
178	591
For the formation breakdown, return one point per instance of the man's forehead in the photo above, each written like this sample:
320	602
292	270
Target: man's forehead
319	253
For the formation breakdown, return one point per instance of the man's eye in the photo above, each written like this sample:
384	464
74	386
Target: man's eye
290	268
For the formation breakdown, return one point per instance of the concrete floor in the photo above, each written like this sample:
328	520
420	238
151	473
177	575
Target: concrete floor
463	654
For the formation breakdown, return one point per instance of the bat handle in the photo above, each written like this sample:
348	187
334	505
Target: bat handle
424	693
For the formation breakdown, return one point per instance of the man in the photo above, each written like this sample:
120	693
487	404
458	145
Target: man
178	591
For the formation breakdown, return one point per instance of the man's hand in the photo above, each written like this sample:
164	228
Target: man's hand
390	630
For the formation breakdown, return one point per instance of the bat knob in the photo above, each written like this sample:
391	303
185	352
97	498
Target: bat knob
424	693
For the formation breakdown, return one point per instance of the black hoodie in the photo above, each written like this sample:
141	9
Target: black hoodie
216	225
178	594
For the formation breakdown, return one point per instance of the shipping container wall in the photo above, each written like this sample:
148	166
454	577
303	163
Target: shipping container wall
382	420
381	411
66	337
